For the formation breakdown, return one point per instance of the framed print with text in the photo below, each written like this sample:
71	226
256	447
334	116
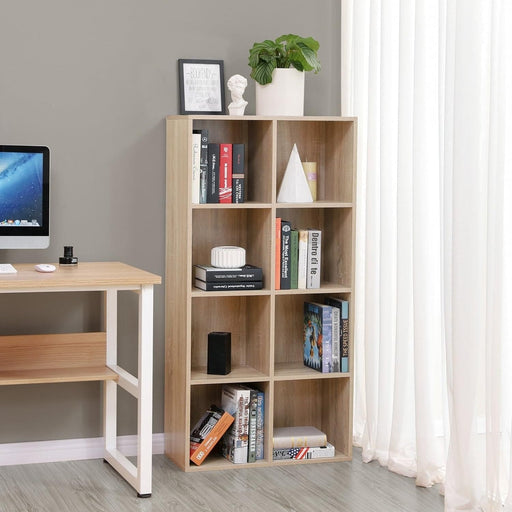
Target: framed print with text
201	86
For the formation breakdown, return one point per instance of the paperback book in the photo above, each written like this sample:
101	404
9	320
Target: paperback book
235	443
235	285
318	336
304	453
211	274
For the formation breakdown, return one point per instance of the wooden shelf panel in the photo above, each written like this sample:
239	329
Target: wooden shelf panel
216	462
237	374
49	375
325	288
236	206
315	204
297	371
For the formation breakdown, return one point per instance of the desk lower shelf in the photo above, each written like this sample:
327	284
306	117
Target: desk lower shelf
48	375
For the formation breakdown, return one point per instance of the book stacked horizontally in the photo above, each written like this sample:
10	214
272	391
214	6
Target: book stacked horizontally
301	443
248	277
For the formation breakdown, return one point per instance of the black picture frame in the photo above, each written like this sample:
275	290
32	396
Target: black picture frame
201	86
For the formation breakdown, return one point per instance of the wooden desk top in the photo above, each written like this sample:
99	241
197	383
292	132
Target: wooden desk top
88	274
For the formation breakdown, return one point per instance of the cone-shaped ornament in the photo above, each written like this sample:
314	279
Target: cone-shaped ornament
294	187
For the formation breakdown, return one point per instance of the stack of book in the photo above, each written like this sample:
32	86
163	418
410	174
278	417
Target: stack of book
300	443
326	335
248	277
243	442
298	256
218	170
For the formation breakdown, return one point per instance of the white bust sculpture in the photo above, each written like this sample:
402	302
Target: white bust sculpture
237	85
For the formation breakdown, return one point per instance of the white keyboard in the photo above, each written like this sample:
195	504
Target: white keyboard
7	268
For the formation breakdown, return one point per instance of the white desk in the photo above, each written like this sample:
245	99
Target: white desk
74	357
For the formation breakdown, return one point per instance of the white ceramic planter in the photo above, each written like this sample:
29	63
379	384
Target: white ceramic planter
284	96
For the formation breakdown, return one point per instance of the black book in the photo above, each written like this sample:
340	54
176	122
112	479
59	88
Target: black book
286	229
212	182
238	173
240	285
203	165
214	274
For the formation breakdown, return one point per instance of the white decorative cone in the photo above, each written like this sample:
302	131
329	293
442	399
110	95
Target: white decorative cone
294	187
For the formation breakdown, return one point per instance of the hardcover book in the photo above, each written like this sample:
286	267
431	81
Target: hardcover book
226	173
238	173
294	258
229	285
277	273
296	437
235	443
260	426
285	255
203	167
253	418
214	274
212	182
318	336
302	263
343	306
314	258
304	453
207	432
196	165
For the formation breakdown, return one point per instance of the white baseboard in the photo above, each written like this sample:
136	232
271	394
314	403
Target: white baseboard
69	449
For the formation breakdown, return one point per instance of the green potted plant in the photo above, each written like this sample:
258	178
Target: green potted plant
278	69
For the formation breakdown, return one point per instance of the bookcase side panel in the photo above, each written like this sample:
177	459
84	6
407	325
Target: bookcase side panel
177	325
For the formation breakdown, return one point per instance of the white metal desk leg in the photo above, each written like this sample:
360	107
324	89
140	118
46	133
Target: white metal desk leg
145	401
110	387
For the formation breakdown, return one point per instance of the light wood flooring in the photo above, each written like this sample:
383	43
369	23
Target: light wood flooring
94	486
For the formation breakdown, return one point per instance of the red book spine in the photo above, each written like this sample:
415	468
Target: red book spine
226	173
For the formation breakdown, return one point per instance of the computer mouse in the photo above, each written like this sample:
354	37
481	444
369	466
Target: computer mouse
45	267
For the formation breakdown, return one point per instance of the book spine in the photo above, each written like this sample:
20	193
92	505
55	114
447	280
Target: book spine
212	191
312	336
196	165
253	413
260	426
302	263
238	173
294	258
213	286
212	275
285	283
203	167
336	329
314	258
345	339
226	173
326	339
235	443
304	453
277	274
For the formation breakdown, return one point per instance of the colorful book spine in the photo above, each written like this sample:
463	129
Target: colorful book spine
314	258
238	173
253	417
335	333
196	166
318	336
304	453
223	286
302	263
212	189
344	340
207	433
214	274
277	273
235	400
203	167
285	283
294	259
226	173
260	426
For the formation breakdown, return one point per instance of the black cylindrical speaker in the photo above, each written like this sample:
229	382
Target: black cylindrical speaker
219	353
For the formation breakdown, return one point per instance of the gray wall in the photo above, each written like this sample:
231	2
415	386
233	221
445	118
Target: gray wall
94	81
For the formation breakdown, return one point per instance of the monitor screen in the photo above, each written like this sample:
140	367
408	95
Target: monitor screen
24	197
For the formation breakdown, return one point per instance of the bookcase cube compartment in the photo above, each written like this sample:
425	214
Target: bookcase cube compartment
329	143
336	226
321	403
247	318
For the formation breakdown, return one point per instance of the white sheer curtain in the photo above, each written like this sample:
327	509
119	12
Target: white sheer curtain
431	84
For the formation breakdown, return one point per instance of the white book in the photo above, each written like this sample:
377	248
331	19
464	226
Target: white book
196	161
235	401
314	258
302	264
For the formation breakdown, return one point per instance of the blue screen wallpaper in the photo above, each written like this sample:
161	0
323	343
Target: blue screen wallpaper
21	187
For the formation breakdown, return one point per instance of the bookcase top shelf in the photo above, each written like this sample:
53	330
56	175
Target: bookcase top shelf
214	118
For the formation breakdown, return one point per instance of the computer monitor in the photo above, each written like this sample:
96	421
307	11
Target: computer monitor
24	197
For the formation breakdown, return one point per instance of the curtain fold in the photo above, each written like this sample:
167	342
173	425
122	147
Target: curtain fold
430	83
